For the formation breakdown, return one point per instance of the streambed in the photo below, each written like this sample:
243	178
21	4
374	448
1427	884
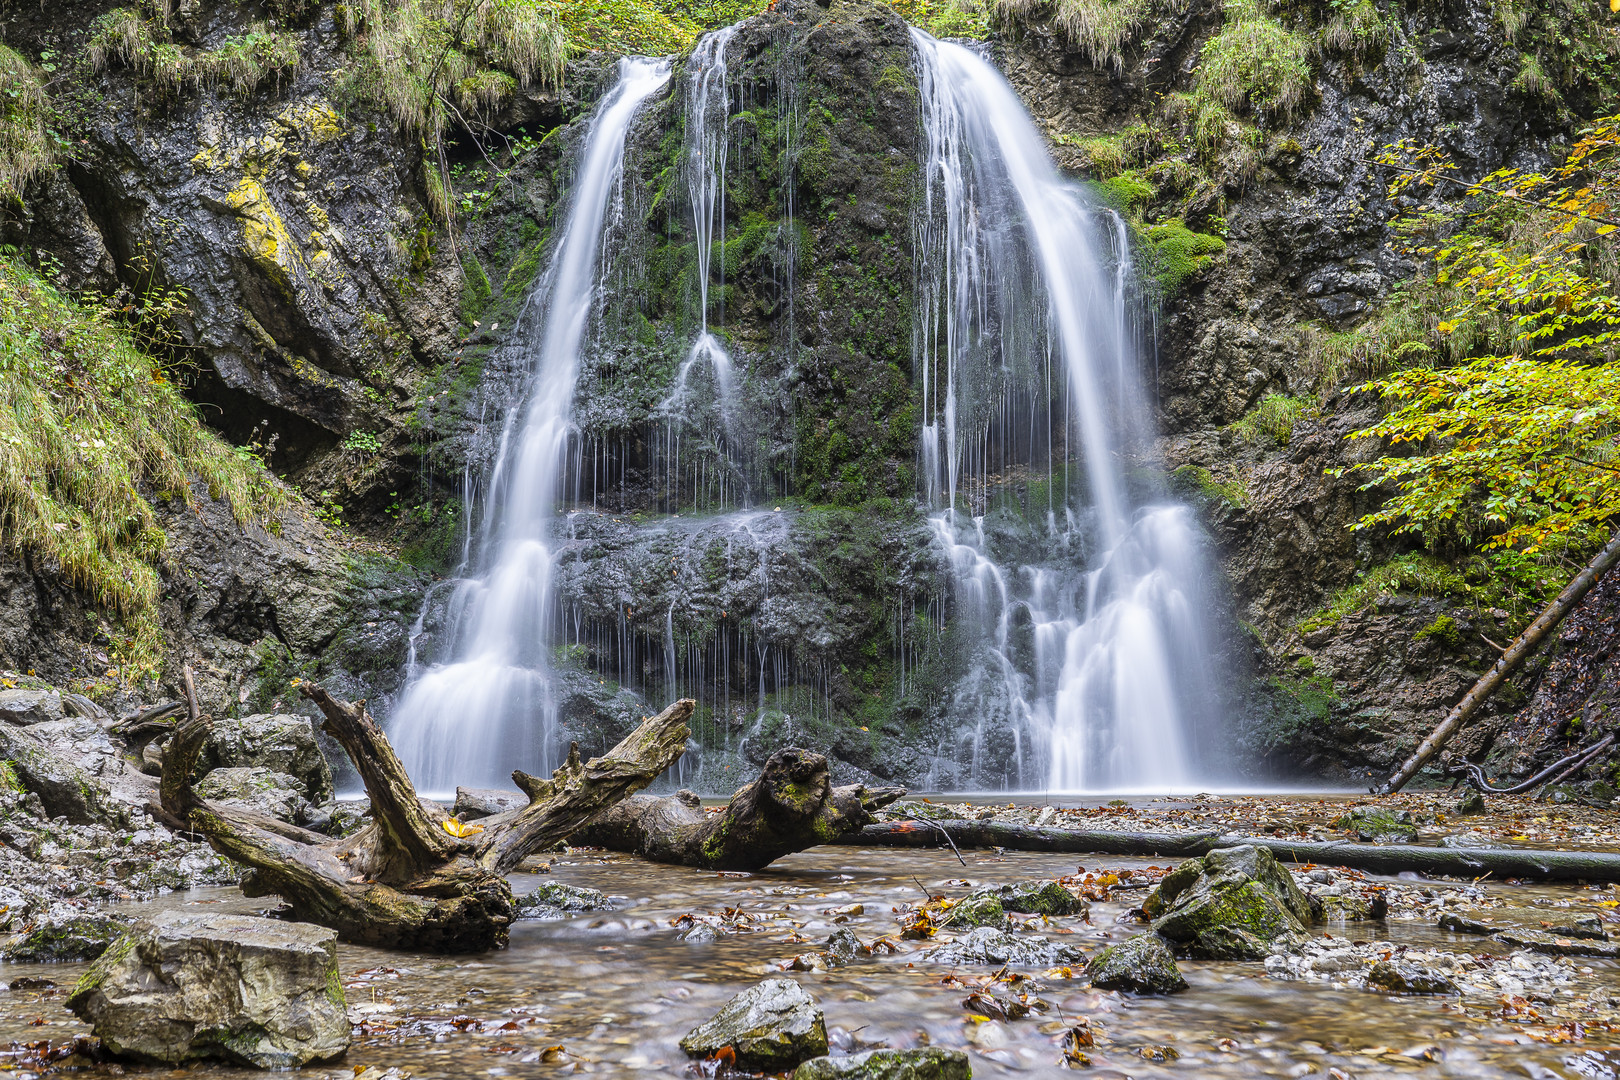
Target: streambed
612	992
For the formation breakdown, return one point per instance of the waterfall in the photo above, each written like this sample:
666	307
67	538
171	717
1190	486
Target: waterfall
708	106
1089	669
486	706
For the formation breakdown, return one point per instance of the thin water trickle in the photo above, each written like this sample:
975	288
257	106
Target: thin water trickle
485	706
1090	671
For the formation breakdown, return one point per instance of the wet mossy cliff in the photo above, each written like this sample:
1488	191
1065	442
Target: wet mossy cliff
751	534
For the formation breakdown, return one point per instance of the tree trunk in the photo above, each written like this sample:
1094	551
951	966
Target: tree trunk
1500	863
791	806
405	881
1516	653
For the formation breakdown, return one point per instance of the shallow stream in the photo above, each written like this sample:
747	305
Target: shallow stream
612	992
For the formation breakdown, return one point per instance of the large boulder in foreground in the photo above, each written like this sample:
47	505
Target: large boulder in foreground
928	1063
771	1027
181	986
281	743
1142	965
1232	904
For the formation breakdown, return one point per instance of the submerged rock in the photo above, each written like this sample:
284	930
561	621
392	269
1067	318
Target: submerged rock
1036	898
1399	977
844	948
280	743
1556	944
928	1063
1232	904
64	935
274	794
179	987
987	945
771	1027
1142	965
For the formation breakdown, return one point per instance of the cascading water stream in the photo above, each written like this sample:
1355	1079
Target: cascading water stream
486	706
1095	665
708	106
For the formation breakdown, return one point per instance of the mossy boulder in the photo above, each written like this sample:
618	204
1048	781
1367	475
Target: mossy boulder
926	1063
771	1027
1374	824
1142	965
1036	898
61	937
180	987
1232	904
977	909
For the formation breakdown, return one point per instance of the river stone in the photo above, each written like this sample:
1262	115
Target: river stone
844	948
256	788
1142	965
1232	904
553	898
1462	924
771	1027
24	707
977	910
1036	898
1375	824
281	743
1471	804
928	1063
1400	977
987	945
64	935
181	986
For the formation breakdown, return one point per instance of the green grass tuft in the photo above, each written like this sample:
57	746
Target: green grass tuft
1255	63
88	425
25	137
1272	420
1415	573
121	37
1102	28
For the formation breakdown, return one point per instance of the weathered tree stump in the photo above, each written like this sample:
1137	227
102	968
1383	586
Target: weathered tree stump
406	881
791	806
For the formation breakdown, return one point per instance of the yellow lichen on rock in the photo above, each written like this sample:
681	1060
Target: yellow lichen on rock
311	120
264	236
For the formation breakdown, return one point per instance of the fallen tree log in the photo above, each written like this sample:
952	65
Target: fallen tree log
1498	863
413	878
790	806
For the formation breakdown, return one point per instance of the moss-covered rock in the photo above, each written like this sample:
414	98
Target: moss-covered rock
928	1063
1036	898
58	937
977	909
770	1027
1142	965
1234	903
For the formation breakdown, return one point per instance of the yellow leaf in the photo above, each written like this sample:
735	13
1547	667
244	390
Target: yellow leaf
461	830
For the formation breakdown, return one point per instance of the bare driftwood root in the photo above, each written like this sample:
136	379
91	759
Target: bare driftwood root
791	806
405	881
1374	858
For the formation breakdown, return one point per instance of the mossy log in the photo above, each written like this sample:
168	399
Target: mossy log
790	806
406	881
1499	863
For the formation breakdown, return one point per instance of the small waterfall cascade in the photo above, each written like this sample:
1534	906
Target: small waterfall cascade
1083	597
708	107
485	705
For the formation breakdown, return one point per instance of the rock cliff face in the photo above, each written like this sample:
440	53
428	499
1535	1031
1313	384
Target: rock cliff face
335	319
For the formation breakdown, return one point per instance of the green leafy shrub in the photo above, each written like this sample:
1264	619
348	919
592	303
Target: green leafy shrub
87	423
